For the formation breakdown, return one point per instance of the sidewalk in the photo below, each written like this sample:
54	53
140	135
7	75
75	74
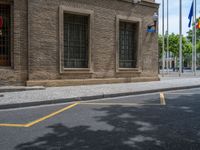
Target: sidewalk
53	95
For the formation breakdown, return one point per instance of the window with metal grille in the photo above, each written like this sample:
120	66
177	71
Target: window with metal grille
5	35
75	41
127	45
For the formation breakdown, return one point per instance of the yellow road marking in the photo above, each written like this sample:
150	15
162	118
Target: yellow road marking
41	119
51	115
122	104
180	93
162	99
12	125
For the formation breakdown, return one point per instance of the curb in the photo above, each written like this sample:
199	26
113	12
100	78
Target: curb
8	90
84	98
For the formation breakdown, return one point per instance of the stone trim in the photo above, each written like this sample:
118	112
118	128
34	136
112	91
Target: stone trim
144	3
79	11
6	2
132	20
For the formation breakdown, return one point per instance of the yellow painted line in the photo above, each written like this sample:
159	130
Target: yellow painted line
12	125
180	93
162	99
41	119
51	115
121	104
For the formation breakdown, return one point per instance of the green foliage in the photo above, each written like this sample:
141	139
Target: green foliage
174	45
189	37
198	47
160	41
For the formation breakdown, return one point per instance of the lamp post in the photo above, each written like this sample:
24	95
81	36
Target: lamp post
153	27
155	19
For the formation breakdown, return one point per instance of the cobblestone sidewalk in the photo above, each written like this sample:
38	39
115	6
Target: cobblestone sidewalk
72	93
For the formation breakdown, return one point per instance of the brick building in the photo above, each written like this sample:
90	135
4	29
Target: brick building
70	42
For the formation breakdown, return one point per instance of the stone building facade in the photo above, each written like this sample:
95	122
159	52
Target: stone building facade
73	42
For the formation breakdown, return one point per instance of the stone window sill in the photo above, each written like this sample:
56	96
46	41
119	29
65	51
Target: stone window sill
6	68
76	71
128	70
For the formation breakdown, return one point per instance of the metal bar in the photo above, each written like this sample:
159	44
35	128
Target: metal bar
126	46
76	30
167	36
193	40
193	21
180	44
195	37
163	30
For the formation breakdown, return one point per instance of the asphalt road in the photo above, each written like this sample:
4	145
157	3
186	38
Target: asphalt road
127	123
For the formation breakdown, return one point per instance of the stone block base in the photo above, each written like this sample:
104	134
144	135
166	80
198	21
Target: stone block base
73	82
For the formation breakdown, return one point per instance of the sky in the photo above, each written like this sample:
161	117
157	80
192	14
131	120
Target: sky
174	15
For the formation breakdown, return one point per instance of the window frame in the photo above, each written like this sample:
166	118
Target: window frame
10	3
76	30
128	44
75	11
133	20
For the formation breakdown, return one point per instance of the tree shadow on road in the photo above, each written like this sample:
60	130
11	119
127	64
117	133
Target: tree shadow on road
134	128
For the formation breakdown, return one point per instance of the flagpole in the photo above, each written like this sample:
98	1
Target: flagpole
195	37
180	44
193	43
163	30
167	36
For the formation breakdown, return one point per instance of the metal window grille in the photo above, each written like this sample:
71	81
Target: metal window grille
5	35
127	45
75	41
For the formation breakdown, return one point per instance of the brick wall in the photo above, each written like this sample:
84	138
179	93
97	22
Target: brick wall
43	48
17	73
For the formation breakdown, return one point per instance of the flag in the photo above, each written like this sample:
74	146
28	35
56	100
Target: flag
198	23
190	15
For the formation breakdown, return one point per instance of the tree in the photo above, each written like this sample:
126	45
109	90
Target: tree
189	37
174	45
